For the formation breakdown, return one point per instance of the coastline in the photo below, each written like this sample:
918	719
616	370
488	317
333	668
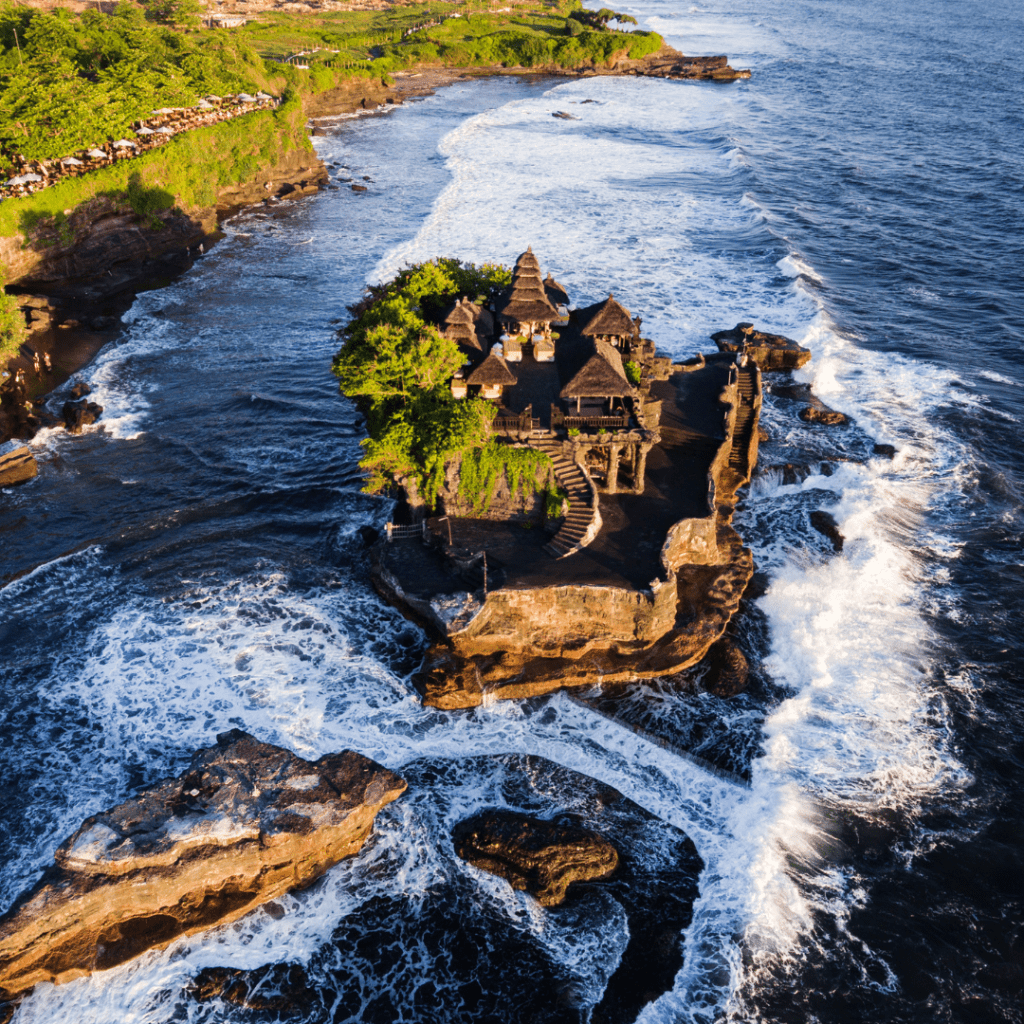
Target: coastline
112	258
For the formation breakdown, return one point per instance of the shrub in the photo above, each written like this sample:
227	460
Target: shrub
12	325
633	372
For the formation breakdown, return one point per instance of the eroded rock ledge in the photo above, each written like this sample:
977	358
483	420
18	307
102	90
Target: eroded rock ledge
541	857
246	823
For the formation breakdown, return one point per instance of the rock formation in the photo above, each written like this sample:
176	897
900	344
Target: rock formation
542	857
80	414
823	415
246	823
769	351
17	464
825	523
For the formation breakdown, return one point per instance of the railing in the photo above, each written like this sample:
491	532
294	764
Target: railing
405	532
600	422
523	423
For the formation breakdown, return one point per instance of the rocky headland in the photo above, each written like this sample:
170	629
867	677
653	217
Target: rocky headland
246	823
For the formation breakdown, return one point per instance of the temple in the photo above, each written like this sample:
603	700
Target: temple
621	563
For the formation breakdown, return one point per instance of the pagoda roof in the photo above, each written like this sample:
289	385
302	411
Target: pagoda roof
609	318
528	260
556	294
462	312
601	376
464	335
493	370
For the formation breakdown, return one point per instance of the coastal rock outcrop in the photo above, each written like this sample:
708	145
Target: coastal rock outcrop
826	417
246	823
542	857
17	464
727	669
769	351
825	523
80	414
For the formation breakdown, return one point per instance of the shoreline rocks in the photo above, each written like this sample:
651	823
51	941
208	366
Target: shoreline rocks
823	416
17	464
541	857
769	351
246	823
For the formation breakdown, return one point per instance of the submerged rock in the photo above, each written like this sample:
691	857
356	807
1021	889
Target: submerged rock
275	988
769	351
246	823
542	857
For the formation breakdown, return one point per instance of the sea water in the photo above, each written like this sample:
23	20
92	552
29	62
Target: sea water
192	562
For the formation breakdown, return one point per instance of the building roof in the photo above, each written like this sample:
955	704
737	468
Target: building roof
493	370
526	298
601	376
555	292
609	318
528	260
463	312
464	335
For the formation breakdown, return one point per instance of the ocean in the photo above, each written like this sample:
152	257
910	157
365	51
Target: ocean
193	563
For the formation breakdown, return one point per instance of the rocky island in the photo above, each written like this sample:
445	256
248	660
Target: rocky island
246	823
578	531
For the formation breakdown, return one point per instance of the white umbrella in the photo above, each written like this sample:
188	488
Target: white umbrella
124	144
164	131
203	105
263	96
24	179
96	154
70	161
144	131
244	97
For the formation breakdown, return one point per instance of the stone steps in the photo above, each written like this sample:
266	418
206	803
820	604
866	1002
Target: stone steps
581	515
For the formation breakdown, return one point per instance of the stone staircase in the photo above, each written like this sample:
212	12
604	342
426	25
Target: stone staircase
583	521
747	383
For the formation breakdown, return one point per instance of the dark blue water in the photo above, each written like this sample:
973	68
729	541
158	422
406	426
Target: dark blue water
194	564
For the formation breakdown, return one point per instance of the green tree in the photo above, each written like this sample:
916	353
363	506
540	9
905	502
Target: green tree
179	13
397	366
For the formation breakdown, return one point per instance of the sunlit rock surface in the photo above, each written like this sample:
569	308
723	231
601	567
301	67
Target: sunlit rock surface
246	823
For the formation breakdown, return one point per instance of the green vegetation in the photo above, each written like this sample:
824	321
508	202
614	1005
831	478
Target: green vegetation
396	366
12	325
554	502
68	82
633	371
186	171
526	469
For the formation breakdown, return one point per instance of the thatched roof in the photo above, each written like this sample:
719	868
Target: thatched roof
609	318
528	301
527	260
461	313
493	370
556	294
601	376
464	335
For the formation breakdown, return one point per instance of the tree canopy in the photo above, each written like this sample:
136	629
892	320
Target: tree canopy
396	365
